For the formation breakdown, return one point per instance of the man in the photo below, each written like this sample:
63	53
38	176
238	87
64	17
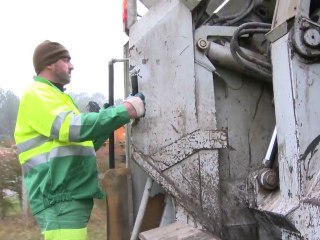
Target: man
56	146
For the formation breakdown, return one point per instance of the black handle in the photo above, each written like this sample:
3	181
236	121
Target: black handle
134	83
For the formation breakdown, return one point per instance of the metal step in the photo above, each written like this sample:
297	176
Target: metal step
176	231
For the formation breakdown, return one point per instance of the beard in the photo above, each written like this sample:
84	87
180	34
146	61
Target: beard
63	77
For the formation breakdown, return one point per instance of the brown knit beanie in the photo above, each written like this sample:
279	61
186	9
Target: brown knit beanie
47	53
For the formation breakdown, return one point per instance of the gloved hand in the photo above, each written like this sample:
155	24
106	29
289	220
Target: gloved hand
93	106
138	102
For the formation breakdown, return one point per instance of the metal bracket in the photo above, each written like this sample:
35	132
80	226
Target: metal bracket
306	33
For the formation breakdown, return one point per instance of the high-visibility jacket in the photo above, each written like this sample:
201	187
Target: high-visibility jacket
56	145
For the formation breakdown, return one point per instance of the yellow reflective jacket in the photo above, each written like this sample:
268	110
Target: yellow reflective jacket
55	144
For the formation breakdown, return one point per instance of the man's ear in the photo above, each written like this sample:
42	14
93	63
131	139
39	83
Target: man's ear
50	66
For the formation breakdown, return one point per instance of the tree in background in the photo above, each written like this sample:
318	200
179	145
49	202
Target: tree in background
82	100
9	104
10	178
10	170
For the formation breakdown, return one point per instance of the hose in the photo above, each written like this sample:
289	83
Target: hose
258	66
248	57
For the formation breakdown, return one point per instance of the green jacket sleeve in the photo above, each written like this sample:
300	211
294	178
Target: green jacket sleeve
97	125
54	115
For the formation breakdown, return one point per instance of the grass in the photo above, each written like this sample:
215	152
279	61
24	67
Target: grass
15	227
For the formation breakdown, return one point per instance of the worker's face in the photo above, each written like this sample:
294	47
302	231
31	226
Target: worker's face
62	71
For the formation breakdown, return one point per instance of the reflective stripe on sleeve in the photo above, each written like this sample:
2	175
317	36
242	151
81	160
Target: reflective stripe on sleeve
56	126
75	127
57	152
31	143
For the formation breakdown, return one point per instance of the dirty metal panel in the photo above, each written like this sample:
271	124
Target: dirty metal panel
188	145
285	10
148	166
304	98
183	216
306	79
313	195
284	95
245	109
201	188
180	190
162	54
198	180
296	88
235	196
177	141
290	235
244	132
209	183
185	177
276	204
307	218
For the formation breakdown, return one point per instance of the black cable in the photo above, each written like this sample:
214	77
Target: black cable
248	57
256	66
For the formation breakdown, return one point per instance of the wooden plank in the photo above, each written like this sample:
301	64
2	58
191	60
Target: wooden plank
116	184
176	231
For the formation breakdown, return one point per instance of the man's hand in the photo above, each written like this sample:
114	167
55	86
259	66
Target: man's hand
135	105
93	106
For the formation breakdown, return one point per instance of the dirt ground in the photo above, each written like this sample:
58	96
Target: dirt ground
18	228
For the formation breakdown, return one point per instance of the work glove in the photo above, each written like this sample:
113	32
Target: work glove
138	102
93	107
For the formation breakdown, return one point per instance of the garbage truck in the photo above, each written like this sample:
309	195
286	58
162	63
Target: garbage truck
228	147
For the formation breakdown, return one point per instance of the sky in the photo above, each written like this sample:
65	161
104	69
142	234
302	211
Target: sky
91	30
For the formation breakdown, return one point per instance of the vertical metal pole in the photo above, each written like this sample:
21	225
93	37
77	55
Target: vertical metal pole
111	103
111	136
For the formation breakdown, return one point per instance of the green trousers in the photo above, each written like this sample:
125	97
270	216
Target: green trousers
65	220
